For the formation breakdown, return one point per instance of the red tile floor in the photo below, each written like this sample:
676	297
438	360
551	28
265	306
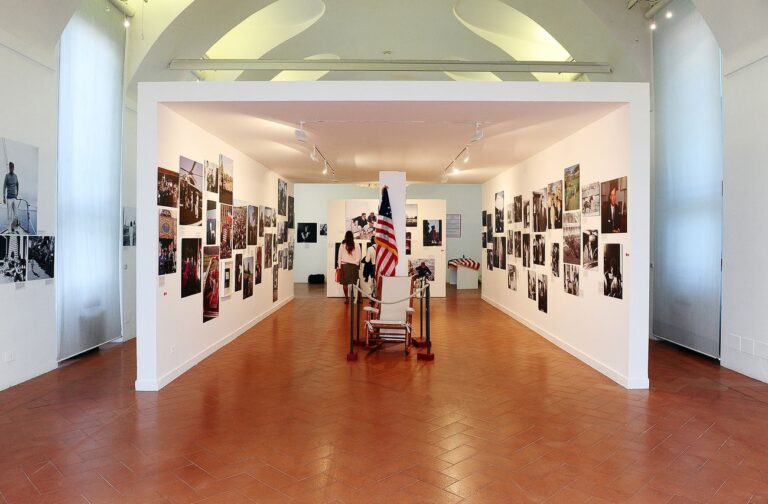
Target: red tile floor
279	415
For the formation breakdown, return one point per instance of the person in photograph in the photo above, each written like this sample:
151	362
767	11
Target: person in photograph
10	195
323	229
349	261
611	213
305	233
423	271
360	221
612	283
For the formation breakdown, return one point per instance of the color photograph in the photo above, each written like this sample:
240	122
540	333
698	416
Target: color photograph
555	205
20	180
572	238
526	250
407	243
539	249
307	232
532	285
210	283
167	188
253	225
540	210
554	260
212	177
422	268
542	293
225	232
571	279
590	199
239	227
282	197
13	258
211	216
190	192
227	180
247	277
191	264
589	242
572	181
433	233
512	277
613	195
238	278
42	253
129	226
613	274
498	212
360	218
167	246
411	215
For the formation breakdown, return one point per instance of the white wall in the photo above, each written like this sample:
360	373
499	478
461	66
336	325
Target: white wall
178	338
609	334
29	102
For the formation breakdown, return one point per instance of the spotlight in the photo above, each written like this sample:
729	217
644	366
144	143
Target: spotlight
325	167
313	156
669	14
466	155
126	22
653	24
299	133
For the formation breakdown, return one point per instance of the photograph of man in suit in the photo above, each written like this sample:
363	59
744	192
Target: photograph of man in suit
614	217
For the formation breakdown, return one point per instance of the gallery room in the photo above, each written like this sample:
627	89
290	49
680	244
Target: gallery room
307	251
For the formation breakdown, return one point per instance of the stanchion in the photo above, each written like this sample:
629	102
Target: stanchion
419	343
429	356
352	355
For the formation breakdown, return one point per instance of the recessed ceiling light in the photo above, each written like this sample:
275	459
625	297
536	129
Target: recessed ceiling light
669	14
653	25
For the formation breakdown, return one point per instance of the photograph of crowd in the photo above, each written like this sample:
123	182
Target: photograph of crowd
13	258
257	266
167	246
253	225
555	205
433	233
129	227
590	199
512	277
282	197
239	227
307	232
225	232
526	250
498	212
572	181
613	195
360	218
42	252
526	214
190	192
191	263
532	285
572	238
422	268
613	278
555	259
412	215
210	283
212	177
571	279
543	293
291	216
539	250
589	241
226	180
238	272
540	210
167	188
248	277
210	222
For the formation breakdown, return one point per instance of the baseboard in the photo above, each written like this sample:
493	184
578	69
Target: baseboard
162	381
624	381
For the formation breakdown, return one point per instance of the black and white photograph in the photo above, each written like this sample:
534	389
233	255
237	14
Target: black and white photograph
306	232
540	210
239	227
273	222
590	199
554	260
20	180
484	217
190	192
526	250
510	213
166	251
613	271
532	285
280	230
274	284
496	252
191	264
502	252
210	283
323	229
498	212
262	218
572	238
518	244
291	213
517	204
360	218
572	181
291	252
13	258
211	218
257	266
489	261
267	250
248	277
225	232
253	225
539	249
282	197
510	242
167	188
526	214
489	226
555	205
42	253
284	232
226	180
212	177
571	279
238	280
411	215
542	293
407	243
589	243
227	278
433	233
485	240
613	195
512	277
422	268
274	248
129	226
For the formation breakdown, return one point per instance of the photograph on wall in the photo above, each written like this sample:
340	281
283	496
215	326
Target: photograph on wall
489	226
282	197
239	227
496	248
129	226
257	266
511	242
532	285
267	250
167	188
13	258
20	180
42	253
225	231
226	180
540	210
284	232
273	220
526	250
572	185
489	259
482	222
590	199
291	214
262	216
518	244
503	252
571	279
280	231
291	252
360	218
613	271
190	192
248	277
238	279
542	293
422	268
307	232
411	215
613	195
554	260
191	264
227	278
274	248
498	212
433	233
512	277
408	243
211	215
210	283
274	284
212	177
526	214
453	225
485	240
280	259
589	243
253	225
323	229
167	246
555	205
572	238
510	213
517	204
539	249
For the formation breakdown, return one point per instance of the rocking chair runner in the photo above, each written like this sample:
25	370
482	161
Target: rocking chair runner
390	320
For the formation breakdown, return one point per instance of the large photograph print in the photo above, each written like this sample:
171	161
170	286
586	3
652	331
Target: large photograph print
13	258
360	218
191	263
433	233
19	165
613	271
613	195
191	192
210	283
307	232
41	257
167	188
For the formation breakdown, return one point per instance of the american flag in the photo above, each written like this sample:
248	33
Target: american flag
386	244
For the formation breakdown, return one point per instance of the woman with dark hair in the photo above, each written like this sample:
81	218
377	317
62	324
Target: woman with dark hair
349	262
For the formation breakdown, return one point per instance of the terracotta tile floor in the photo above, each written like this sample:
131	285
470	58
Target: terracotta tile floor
280	416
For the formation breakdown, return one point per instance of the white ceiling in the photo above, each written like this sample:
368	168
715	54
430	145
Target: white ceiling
360	139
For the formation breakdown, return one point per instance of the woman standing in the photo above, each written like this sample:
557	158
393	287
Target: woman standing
349	262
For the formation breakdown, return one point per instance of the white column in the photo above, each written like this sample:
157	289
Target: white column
395	182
